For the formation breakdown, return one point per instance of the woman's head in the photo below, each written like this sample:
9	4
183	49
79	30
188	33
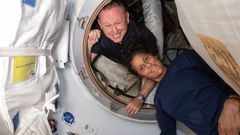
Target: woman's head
146	65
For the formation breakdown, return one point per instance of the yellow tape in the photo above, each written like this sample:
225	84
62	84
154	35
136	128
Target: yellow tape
23	68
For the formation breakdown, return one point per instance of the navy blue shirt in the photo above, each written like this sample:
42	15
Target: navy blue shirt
118	52
192	93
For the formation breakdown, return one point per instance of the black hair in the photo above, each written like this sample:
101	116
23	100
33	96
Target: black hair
135	47
129	65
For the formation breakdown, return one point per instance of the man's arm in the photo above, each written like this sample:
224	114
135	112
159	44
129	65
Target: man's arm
93	37
135	104
229	120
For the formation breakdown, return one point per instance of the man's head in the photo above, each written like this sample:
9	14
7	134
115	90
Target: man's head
147	65
113	20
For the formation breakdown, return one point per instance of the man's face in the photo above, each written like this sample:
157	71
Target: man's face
148	66
114	23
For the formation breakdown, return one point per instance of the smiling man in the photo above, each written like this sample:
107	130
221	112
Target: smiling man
117	30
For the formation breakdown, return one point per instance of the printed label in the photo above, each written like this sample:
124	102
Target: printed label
23	68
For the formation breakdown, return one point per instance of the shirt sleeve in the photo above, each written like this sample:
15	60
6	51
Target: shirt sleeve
166	123
97	48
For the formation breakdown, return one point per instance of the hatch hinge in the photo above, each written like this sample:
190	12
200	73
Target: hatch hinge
114	107
82	73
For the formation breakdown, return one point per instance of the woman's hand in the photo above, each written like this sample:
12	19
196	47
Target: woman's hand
133	106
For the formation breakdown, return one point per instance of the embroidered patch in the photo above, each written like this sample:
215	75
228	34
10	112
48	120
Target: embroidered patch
30	3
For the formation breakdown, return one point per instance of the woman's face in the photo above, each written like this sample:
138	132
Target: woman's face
148	66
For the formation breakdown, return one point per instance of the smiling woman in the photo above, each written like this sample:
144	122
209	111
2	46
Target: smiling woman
148	65
198	104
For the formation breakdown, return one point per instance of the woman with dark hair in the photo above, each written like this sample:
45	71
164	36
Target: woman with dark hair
189	91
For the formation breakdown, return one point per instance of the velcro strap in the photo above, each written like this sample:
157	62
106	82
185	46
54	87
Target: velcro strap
13	51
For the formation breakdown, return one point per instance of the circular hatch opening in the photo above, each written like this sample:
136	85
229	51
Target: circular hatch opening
107	91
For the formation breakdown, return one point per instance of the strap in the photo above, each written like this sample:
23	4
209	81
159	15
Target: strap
13	51
50	99
49	105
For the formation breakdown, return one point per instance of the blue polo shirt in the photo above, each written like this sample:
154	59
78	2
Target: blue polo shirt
192	93
118	52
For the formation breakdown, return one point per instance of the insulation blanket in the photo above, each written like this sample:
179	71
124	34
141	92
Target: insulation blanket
213	29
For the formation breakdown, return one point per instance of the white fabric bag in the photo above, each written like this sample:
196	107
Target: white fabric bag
213	29
28	77
34	122
152	12
116	75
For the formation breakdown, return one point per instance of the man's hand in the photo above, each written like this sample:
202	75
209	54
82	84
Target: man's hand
229	120
133	106
93	37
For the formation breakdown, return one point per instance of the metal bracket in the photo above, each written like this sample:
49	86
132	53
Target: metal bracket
82	21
